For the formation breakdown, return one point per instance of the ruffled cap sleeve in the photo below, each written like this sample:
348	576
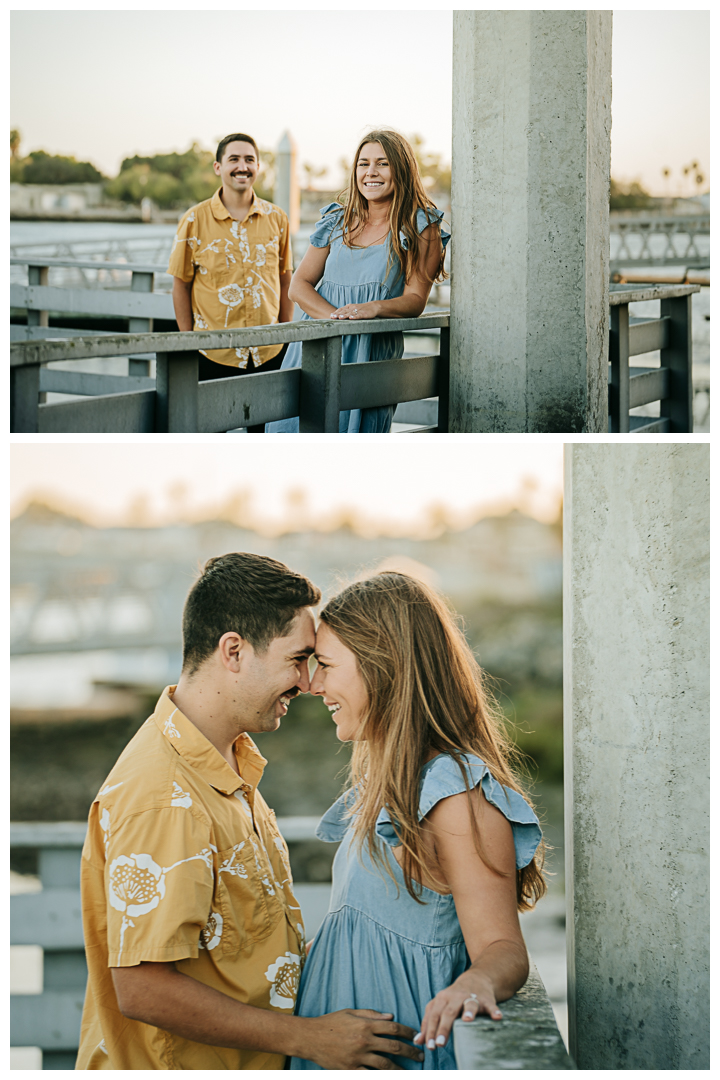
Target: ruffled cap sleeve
336	821
442	778
423	219
328	226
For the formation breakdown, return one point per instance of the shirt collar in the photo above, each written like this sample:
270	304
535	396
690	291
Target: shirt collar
220	210
200	753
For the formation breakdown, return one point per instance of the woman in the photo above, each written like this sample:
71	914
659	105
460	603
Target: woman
376	257
439	847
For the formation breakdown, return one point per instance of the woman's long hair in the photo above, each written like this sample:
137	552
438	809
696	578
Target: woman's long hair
409	197
425	693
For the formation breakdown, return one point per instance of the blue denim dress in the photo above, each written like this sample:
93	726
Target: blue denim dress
379	949
356	275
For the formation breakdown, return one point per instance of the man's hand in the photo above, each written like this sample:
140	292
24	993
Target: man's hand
158	994
358	1039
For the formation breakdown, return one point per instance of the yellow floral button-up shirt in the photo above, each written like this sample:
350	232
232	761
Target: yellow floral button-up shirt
235	269
183	862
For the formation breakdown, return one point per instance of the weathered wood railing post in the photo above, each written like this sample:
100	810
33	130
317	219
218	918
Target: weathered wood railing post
678	358
181	390
620	367
320	385
37	275
24	398
143	283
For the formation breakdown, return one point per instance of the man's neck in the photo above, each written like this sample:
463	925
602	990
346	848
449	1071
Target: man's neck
237	204
204	708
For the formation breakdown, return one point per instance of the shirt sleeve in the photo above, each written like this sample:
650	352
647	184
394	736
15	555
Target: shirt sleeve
181	258
285	253
158	886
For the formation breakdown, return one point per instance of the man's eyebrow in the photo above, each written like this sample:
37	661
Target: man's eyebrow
308	651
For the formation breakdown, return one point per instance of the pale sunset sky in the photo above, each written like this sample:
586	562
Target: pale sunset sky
104	85
102	481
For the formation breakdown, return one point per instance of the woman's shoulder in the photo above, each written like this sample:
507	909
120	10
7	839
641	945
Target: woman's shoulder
329	226
446	775
423	218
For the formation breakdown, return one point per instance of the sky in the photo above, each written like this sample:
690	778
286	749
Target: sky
104	481
104	85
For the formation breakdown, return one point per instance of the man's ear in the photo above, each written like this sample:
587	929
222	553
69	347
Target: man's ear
231	648
216	167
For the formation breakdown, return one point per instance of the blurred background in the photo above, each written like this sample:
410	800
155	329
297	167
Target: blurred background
107	539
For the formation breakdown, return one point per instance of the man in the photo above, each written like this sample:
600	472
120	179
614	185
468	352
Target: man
232	264
194	938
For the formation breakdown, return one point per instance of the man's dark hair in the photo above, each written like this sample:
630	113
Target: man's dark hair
235	138
251	595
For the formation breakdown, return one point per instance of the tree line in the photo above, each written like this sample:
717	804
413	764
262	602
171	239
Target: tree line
177	180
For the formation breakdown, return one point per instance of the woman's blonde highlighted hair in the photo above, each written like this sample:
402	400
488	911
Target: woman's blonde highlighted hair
425	693
409	197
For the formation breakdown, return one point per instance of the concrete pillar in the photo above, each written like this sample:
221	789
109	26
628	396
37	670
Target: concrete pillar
287	188
530	221
636	754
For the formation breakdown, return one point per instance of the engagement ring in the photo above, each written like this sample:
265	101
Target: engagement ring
473	997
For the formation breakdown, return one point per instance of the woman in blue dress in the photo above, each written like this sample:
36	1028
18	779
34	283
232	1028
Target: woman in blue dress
440	847
375	257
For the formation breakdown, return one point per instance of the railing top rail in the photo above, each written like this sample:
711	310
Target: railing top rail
30	353
617	217
632	294
64	834
88	264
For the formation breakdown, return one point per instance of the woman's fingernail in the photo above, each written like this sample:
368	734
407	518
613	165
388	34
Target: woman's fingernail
467	1016
431	1044
441	1040
417	1038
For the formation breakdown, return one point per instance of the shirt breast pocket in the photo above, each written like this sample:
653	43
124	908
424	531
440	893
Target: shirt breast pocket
267	259
242	891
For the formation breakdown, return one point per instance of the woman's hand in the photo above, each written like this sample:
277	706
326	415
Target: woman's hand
470	994
358	311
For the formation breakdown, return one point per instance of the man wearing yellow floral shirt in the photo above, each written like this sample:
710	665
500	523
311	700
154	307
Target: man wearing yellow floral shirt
232	264
193	935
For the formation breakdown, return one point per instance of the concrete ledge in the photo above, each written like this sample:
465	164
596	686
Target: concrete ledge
527	1037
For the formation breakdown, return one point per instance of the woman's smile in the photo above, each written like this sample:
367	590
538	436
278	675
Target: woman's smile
339	682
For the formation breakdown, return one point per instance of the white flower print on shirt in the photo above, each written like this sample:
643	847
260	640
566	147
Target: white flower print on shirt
232	864
169	728
211	934
137	885
105	826
231	296
284	977
180	797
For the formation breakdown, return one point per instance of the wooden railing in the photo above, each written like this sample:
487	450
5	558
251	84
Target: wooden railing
526	1037
174	401
671	383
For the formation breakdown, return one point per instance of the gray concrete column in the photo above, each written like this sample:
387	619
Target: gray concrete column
530	221
287	188
636	628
